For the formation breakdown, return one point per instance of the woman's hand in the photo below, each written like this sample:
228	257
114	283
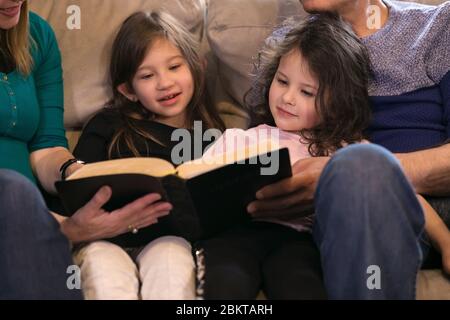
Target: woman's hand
91	222
293	196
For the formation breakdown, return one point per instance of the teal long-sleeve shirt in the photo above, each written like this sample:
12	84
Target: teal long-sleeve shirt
31	107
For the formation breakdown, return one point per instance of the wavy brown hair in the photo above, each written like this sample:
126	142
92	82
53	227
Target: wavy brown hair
15	43
135	37
340	63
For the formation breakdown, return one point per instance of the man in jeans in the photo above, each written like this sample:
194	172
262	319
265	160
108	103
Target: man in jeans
368	221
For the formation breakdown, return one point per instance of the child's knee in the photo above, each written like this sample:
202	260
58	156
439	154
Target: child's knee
107	272
167	269
167	249
102	254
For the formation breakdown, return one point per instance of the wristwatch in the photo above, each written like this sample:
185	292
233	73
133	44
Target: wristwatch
67	164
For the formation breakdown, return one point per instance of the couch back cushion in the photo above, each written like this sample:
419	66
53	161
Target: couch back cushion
85	30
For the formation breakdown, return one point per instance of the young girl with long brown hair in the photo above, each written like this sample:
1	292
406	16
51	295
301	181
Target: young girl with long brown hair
157	81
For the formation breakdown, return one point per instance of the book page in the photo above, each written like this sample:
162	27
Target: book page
223	153
149	166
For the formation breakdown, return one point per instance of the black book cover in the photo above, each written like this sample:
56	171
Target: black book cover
202	206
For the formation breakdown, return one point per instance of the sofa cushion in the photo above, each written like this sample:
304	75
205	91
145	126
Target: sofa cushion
85	30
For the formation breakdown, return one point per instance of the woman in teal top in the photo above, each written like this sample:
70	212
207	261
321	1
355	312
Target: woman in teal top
34	254
31	117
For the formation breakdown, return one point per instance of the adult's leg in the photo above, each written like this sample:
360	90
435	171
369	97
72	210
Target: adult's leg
107	272
167	270
368	226
293	270
34	254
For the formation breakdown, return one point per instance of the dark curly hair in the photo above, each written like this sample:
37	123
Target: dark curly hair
340	63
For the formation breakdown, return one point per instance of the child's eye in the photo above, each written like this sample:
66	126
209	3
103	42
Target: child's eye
282	82
174	67
147	76
307	93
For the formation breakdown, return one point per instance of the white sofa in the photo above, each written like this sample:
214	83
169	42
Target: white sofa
231	31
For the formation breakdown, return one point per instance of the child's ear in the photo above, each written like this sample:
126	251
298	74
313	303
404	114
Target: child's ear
125	91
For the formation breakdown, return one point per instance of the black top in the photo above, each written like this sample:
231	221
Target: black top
94	142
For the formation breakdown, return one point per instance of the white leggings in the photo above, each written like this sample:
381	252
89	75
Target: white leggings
164	270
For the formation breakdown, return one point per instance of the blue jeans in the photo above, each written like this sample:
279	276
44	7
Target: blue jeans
34	254
368	226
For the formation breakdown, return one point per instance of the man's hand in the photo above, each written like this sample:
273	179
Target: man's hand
293	196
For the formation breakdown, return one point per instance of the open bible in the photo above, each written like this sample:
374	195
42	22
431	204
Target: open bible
208	195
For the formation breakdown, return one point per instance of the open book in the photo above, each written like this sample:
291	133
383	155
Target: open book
208	195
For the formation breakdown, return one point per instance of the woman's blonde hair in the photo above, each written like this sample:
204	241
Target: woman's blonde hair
15	43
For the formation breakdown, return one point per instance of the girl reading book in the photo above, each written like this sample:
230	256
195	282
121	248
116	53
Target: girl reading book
157	82
312	84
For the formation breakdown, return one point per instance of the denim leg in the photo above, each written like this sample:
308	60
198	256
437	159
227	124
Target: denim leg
368	226
34	254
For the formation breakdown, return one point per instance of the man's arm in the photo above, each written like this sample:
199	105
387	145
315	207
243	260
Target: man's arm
428	170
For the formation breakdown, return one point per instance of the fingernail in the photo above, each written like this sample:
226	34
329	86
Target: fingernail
105	192
167	207
259	195
157	195
251	208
